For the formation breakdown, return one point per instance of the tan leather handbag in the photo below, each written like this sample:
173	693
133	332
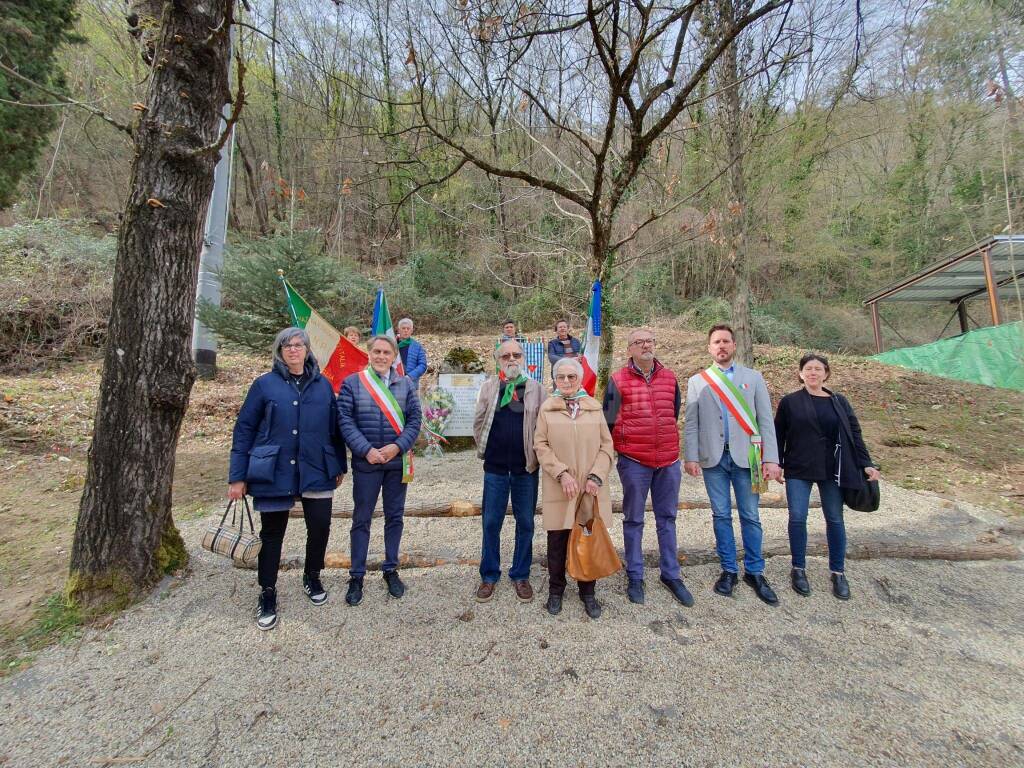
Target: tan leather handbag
591	555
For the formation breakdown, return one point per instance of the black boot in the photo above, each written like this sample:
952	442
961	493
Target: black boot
266	609
591	606
800	583
554	604
761	587
726	581
840	587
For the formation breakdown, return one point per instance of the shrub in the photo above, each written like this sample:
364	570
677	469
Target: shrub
55	292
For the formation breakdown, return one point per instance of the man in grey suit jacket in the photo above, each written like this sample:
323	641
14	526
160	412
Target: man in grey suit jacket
716	443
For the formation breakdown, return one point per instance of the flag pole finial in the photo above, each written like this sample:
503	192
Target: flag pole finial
280	273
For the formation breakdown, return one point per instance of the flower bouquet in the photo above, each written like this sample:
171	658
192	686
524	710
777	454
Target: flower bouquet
438	405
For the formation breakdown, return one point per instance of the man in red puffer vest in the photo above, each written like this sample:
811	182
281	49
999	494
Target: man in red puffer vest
642	406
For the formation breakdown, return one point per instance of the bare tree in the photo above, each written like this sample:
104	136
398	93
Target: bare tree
605	80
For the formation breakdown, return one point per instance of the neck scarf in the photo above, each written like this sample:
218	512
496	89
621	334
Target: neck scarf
403	343
509	393
572	402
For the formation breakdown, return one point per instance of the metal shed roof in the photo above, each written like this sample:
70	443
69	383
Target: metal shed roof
961	276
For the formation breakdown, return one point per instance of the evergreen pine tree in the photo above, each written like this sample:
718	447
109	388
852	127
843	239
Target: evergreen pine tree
31	31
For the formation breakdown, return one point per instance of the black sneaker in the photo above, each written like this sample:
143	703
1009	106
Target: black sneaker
354	596
635	591
314	589
395	586
591	606
266	609
678	590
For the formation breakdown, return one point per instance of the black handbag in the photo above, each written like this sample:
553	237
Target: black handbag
863	499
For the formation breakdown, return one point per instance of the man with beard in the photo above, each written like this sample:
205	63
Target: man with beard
730	439
503	426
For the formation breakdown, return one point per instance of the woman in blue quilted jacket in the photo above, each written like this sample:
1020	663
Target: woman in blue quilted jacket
287	446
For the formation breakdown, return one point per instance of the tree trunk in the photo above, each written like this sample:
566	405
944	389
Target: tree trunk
125	537
736	215
602	266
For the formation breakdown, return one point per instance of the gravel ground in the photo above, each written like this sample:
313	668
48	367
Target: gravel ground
923	666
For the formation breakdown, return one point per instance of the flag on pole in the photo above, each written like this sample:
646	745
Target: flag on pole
382	325
338	357
592	341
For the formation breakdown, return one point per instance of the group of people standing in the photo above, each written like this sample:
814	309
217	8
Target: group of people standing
291	438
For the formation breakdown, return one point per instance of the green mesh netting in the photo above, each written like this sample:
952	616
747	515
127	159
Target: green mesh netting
992	356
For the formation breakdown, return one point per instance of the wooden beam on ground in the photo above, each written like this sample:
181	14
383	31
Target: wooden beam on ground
470	509
986	547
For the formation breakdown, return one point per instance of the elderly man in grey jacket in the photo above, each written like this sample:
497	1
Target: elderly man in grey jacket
503	426
729	425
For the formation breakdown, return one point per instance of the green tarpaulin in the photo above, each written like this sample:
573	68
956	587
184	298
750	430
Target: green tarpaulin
992	356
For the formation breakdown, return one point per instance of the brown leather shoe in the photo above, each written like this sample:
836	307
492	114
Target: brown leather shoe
484	592
523	590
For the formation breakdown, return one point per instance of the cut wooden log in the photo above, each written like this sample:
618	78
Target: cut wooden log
463	508
1000	548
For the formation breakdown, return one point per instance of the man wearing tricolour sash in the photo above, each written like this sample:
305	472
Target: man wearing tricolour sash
379	415
730	436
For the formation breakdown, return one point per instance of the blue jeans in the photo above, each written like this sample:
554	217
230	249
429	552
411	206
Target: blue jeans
717	481
497	489
798	497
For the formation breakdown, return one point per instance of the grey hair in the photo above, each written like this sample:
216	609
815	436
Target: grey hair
497	349
405	320
572	362
381	337
287	335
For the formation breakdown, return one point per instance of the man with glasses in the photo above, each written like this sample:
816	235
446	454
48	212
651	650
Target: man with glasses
503	426
641	406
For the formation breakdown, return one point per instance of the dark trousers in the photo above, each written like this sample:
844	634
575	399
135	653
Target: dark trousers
558	548
366	489
662	484
317	513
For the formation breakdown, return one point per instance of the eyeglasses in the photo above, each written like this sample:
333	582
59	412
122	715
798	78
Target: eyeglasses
511	356
293	346
566	377
641	342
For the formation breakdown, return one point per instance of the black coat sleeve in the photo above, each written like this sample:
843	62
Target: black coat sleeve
782	428
613	402
859	448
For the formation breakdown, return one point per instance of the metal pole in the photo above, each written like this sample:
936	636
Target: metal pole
961	311
990	286
211	260
876	327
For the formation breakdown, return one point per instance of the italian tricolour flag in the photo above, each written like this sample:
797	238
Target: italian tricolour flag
382	325
338	357
592	341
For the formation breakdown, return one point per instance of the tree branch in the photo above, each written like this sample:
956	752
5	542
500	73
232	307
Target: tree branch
66	100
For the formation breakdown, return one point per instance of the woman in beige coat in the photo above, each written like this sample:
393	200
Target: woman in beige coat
574	448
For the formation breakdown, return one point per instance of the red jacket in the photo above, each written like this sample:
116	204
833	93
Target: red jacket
642	416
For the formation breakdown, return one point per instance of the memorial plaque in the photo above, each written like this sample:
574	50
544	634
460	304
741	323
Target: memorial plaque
464	388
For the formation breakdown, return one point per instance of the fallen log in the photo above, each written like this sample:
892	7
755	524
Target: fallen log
462	508
986	547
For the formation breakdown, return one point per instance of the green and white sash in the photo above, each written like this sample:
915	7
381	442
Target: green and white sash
392	412
737	405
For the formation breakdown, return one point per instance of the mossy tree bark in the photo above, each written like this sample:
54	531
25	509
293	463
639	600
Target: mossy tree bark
125	537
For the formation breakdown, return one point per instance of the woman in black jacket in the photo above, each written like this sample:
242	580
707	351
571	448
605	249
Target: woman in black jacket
819	442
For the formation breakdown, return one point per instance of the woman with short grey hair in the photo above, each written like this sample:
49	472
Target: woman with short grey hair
286	446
